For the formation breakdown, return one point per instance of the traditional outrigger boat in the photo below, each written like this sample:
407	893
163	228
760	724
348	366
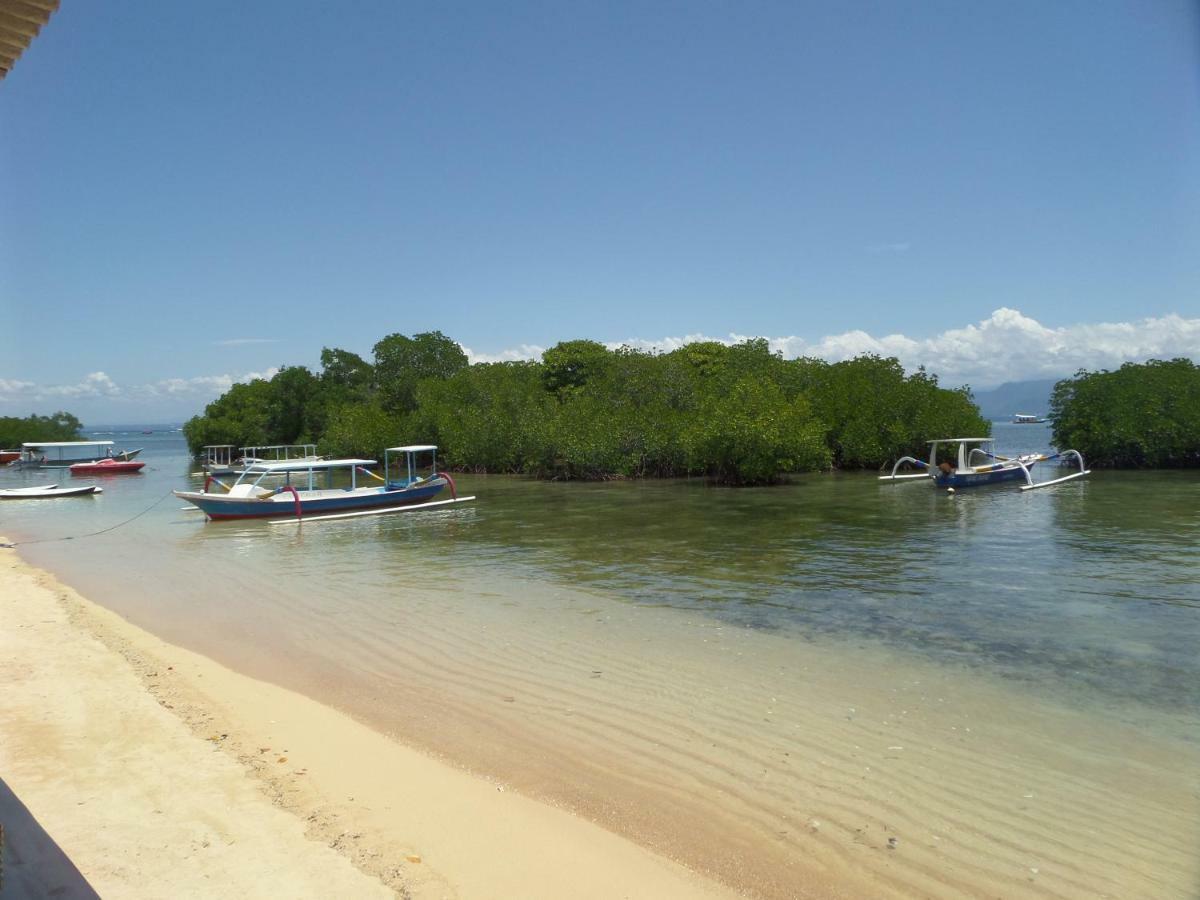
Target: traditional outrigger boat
218	459
976	463
256	495
280	453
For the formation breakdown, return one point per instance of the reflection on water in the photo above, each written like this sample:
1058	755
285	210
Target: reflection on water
1092	584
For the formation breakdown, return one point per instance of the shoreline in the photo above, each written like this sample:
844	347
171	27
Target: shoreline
866	775
194	778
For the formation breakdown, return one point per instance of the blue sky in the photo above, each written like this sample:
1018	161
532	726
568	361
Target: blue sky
190	193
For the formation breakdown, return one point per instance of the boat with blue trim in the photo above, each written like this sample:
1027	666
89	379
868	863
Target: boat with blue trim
291	488
972	462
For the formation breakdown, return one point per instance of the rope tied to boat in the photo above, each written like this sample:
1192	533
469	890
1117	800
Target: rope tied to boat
75	537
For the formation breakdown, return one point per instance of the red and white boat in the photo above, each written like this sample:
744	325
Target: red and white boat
106	467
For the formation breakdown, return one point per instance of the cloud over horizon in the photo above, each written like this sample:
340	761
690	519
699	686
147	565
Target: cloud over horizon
1006	346
99	386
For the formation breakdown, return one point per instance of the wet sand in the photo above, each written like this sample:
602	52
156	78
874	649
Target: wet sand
778	767
134	768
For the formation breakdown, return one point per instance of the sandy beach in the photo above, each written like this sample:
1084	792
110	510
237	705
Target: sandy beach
130	767
539	749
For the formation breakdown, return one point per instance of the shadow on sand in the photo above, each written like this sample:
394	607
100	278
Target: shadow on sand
31	864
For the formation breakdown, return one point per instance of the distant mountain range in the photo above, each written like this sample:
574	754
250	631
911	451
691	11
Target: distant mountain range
1026	397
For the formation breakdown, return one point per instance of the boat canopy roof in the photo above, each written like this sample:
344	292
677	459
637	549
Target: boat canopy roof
217	446
962	441
304	465
412	448
67	444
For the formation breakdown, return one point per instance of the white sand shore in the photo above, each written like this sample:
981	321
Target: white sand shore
133	768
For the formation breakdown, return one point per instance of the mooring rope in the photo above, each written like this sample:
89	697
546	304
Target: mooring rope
76	537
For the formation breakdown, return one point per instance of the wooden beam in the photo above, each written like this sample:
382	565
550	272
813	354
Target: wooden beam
20	22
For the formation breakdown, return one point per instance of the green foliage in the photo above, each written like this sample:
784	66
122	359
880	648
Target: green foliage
239	416
878	414
751	434
738	414
1141	415
569	365
294	390
401	363
361	430
62	426
490	417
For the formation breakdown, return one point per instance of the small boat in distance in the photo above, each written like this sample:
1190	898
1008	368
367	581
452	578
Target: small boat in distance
63	454
1024	419
106	467
973	462
48	492
406	483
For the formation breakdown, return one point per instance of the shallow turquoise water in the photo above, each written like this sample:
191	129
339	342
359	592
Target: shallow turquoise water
987	674
1095	583
1092	586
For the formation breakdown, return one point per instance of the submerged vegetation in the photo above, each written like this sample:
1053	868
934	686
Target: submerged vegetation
739	414
1142	415
62	426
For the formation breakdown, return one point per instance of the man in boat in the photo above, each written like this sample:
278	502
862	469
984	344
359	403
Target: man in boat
946	467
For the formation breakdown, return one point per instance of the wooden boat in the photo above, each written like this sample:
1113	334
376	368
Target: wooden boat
219	459
106	467
280	453
973	462
252	495
48	492
7	456
63	454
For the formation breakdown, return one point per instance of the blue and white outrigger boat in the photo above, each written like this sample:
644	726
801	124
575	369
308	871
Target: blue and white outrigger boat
977	463
257	493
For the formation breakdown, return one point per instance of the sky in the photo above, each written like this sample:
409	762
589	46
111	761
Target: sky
194	194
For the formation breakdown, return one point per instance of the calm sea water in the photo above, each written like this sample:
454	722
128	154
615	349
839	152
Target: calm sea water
1093	584
987	674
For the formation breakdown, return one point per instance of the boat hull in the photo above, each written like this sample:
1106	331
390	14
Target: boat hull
222	506
49	492
106	467
979	479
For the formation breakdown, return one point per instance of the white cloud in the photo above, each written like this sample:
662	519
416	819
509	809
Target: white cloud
10	387
524	351
202	386
99	385
1006	346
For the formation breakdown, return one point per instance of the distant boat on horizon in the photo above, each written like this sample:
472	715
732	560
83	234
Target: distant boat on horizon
1024	419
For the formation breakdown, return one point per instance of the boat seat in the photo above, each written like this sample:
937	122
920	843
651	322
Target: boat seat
249	490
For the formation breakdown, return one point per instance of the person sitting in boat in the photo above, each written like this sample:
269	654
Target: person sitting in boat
947	468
